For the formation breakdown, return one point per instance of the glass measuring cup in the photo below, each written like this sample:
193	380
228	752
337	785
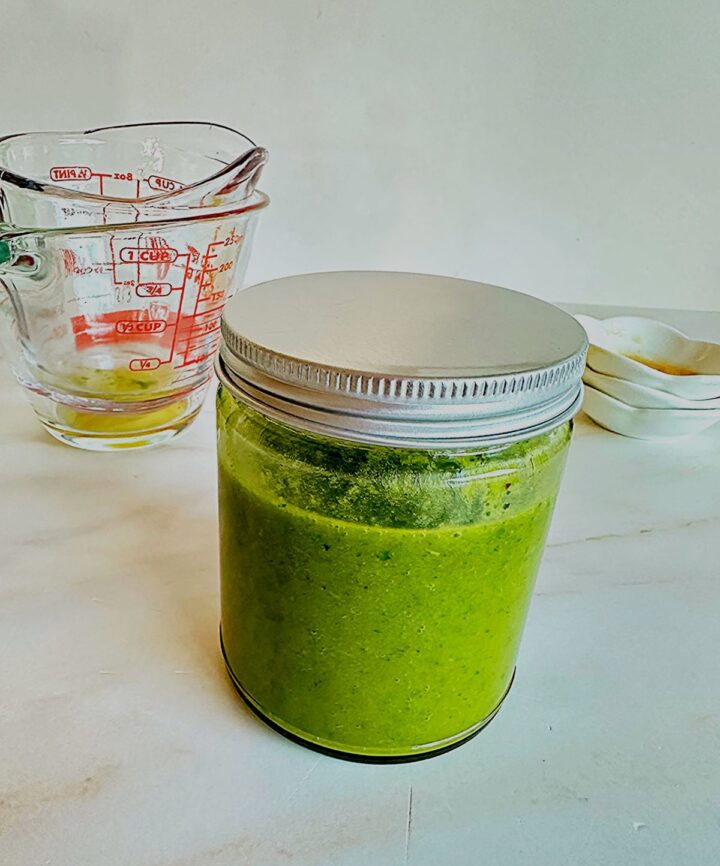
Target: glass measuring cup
118	249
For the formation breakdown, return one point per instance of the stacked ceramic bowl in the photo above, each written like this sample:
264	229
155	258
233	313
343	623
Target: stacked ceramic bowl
647	380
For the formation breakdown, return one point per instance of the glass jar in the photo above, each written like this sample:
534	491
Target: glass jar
374	587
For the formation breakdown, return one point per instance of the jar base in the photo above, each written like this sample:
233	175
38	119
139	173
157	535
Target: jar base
356	757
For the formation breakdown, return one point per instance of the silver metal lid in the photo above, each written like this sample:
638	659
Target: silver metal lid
402	359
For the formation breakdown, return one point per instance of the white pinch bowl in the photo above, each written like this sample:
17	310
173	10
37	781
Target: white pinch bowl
642	397
612	340
645	423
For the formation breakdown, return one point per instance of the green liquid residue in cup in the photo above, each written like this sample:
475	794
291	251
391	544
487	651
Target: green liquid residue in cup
120	386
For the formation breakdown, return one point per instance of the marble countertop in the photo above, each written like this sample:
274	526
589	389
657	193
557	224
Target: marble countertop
122	742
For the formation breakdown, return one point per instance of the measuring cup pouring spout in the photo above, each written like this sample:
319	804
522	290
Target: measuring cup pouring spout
118	249
237	181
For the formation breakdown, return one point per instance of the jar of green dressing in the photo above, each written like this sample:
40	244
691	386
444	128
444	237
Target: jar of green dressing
390	449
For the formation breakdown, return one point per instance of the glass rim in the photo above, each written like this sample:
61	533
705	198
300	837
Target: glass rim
254	203
25	182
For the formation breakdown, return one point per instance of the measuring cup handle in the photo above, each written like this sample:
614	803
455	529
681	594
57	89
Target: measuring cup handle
17	261
11	307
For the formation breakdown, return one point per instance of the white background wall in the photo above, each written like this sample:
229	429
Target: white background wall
568	148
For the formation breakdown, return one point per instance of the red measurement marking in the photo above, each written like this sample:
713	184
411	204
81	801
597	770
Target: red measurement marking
192	361
101	179
153	290
175	319
163	184
205	345
213	296
143	326
148	255
231	239
211	310
69	260
70	172
144	363
101	329
187	329
205	328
